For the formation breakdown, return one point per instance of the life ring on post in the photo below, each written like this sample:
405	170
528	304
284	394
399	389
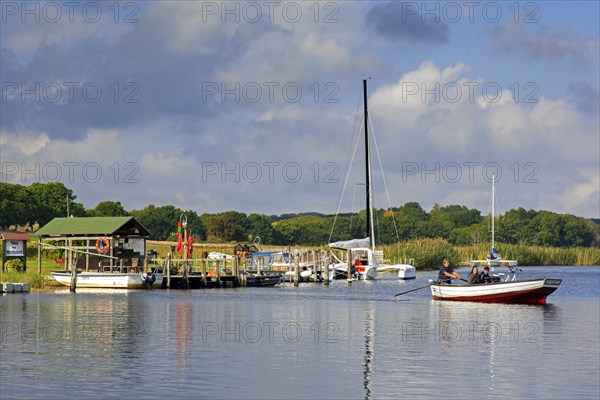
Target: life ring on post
102	245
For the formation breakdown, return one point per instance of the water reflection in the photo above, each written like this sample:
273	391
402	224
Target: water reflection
184	328
307	342
369	328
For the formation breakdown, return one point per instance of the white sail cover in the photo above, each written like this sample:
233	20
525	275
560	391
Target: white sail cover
351	244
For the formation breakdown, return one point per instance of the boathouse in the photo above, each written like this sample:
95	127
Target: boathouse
14	245
94	243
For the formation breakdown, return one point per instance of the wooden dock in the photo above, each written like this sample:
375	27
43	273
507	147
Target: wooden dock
6	287
229	272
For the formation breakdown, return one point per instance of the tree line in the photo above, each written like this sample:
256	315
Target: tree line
39	203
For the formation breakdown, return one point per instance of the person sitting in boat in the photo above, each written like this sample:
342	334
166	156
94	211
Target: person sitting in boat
474	275
358	265
485	276
447	273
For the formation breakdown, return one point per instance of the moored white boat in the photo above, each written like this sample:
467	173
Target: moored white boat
404	271
530	291
371	268
494	259
110	280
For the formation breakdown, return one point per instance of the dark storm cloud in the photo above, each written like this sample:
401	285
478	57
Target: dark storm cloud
402	21
67	88
554	42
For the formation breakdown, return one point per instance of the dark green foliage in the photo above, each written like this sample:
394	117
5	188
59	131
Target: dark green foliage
458	225
162	221
39	202
108	209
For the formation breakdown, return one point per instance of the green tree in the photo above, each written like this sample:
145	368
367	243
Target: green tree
261	226
108	209
49	200
15	208
162	221
226	227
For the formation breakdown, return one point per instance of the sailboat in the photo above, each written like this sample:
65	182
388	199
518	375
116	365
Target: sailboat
361	252
494	259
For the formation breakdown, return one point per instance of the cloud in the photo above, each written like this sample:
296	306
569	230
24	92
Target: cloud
586	97
157	150
556	42
402	23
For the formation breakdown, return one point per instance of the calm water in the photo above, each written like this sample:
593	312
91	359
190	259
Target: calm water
343	342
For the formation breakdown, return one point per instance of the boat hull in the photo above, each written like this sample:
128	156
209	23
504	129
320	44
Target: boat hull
106	280
366	272
263	280
533	291
404	271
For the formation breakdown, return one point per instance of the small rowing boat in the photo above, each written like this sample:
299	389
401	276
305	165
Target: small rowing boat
530	291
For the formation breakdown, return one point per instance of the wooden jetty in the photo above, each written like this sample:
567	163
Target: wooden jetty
228	271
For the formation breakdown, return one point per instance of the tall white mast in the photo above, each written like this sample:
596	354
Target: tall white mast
370	225
493	215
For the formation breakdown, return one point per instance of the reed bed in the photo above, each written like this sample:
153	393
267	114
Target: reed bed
429	253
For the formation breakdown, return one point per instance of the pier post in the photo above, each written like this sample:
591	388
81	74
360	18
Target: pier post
112	252
325	261
244	273
39	257
315	265
297	268
349	263
73	285
236	271
168	270
218	272
204	272
87	254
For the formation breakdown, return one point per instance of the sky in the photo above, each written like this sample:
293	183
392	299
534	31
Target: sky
257	106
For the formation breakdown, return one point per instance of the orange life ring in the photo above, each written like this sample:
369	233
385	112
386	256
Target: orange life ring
102	245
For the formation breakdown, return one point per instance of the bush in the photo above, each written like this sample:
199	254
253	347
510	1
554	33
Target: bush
14	264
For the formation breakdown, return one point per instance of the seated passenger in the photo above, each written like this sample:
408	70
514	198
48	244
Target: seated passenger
485	276
473	276
447	273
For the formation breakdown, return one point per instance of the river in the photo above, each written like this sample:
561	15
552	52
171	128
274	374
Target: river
342	342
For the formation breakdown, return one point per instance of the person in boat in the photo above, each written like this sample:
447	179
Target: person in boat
485	276
447	273
474	275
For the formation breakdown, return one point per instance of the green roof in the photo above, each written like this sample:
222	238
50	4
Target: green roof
93	226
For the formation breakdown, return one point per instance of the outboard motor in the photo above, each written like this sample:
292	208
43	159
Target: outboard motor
149	280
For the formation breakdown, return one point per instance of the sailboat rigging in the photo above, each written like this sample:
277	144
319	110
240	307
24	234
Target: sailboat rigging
362	251
494	258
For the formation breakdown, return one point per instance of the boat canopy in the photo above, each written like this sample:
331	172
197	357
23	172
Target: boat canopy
351	244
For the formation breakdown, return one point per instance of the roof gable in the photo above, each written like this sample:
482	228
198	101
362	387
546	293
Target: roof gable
93	226
14	236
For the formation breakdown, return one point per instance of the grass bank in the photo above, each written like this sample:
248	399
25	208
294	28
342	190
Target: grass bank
36	281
